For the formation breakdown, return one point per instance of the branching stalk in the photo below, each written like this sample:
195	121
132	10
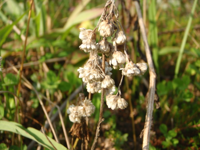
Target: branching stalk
152	83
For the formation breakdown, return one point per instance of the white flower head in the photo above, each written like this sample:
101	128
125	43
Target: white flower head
86	108
115	102
86	34
132	69
105	28
120	38
94	87
107	82
117	59
104	46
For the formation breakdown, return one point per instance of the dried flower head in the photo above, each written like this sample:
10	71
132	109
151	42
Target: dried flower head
122	103
104	46
117	59
105	28
111	101
94	87
107	82
86	34
110	90
143	67
115	102
120	38
74	114
86	108
89	45
132	69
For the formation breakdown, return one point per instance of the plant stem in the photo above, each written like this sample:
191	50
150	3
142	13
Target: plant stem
152	82
101	108
24	49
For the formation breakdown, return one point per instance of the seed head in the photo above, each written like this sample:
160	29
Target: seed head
86	34
107	82
94	87
86	108
120	38
104	46
89	45
105	28
117	59
115	102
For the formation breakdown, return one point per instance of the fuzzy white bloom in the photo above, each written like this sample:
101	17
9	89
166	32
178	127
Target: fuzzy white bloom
74	114
86	108
110	90
86	34
107	82
142	66
122	103
132	69
115	102
111	101
94	87
120	38
105	28
89	45
117	59
104	46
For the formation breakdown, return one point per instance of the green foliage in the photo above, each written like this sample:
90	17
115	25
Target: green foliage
30	133
170	135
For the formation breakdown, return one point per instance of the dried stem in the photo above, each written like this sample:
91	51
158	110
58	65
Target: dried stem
101	108
24	49
152	83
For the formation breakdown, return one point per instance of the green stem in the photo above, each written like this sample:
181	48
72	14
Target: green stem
184	39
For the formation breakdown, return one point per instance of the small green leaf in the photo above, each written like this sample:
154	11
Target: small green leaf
172	133
166	144
10	79
14	148
163	128
1	111
3	146
175	142
64	86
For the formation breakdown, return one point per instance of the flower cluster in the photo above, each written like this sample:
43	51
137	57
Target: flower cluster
84	109
97	71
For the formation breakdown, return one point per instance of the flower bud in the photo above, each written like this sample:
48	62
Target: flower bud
105	28
120	38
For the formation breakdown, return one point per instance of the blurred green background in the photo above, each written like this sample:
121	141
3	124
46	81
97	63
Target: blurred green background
52	58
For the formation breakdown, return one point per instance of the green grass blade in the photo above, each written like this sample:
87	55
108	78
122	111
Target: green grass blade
153	32
30	133
6	30
184	39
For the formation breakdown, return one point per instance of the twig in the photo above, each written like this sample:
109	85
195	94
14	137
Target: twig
24	49
152	83
101	108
